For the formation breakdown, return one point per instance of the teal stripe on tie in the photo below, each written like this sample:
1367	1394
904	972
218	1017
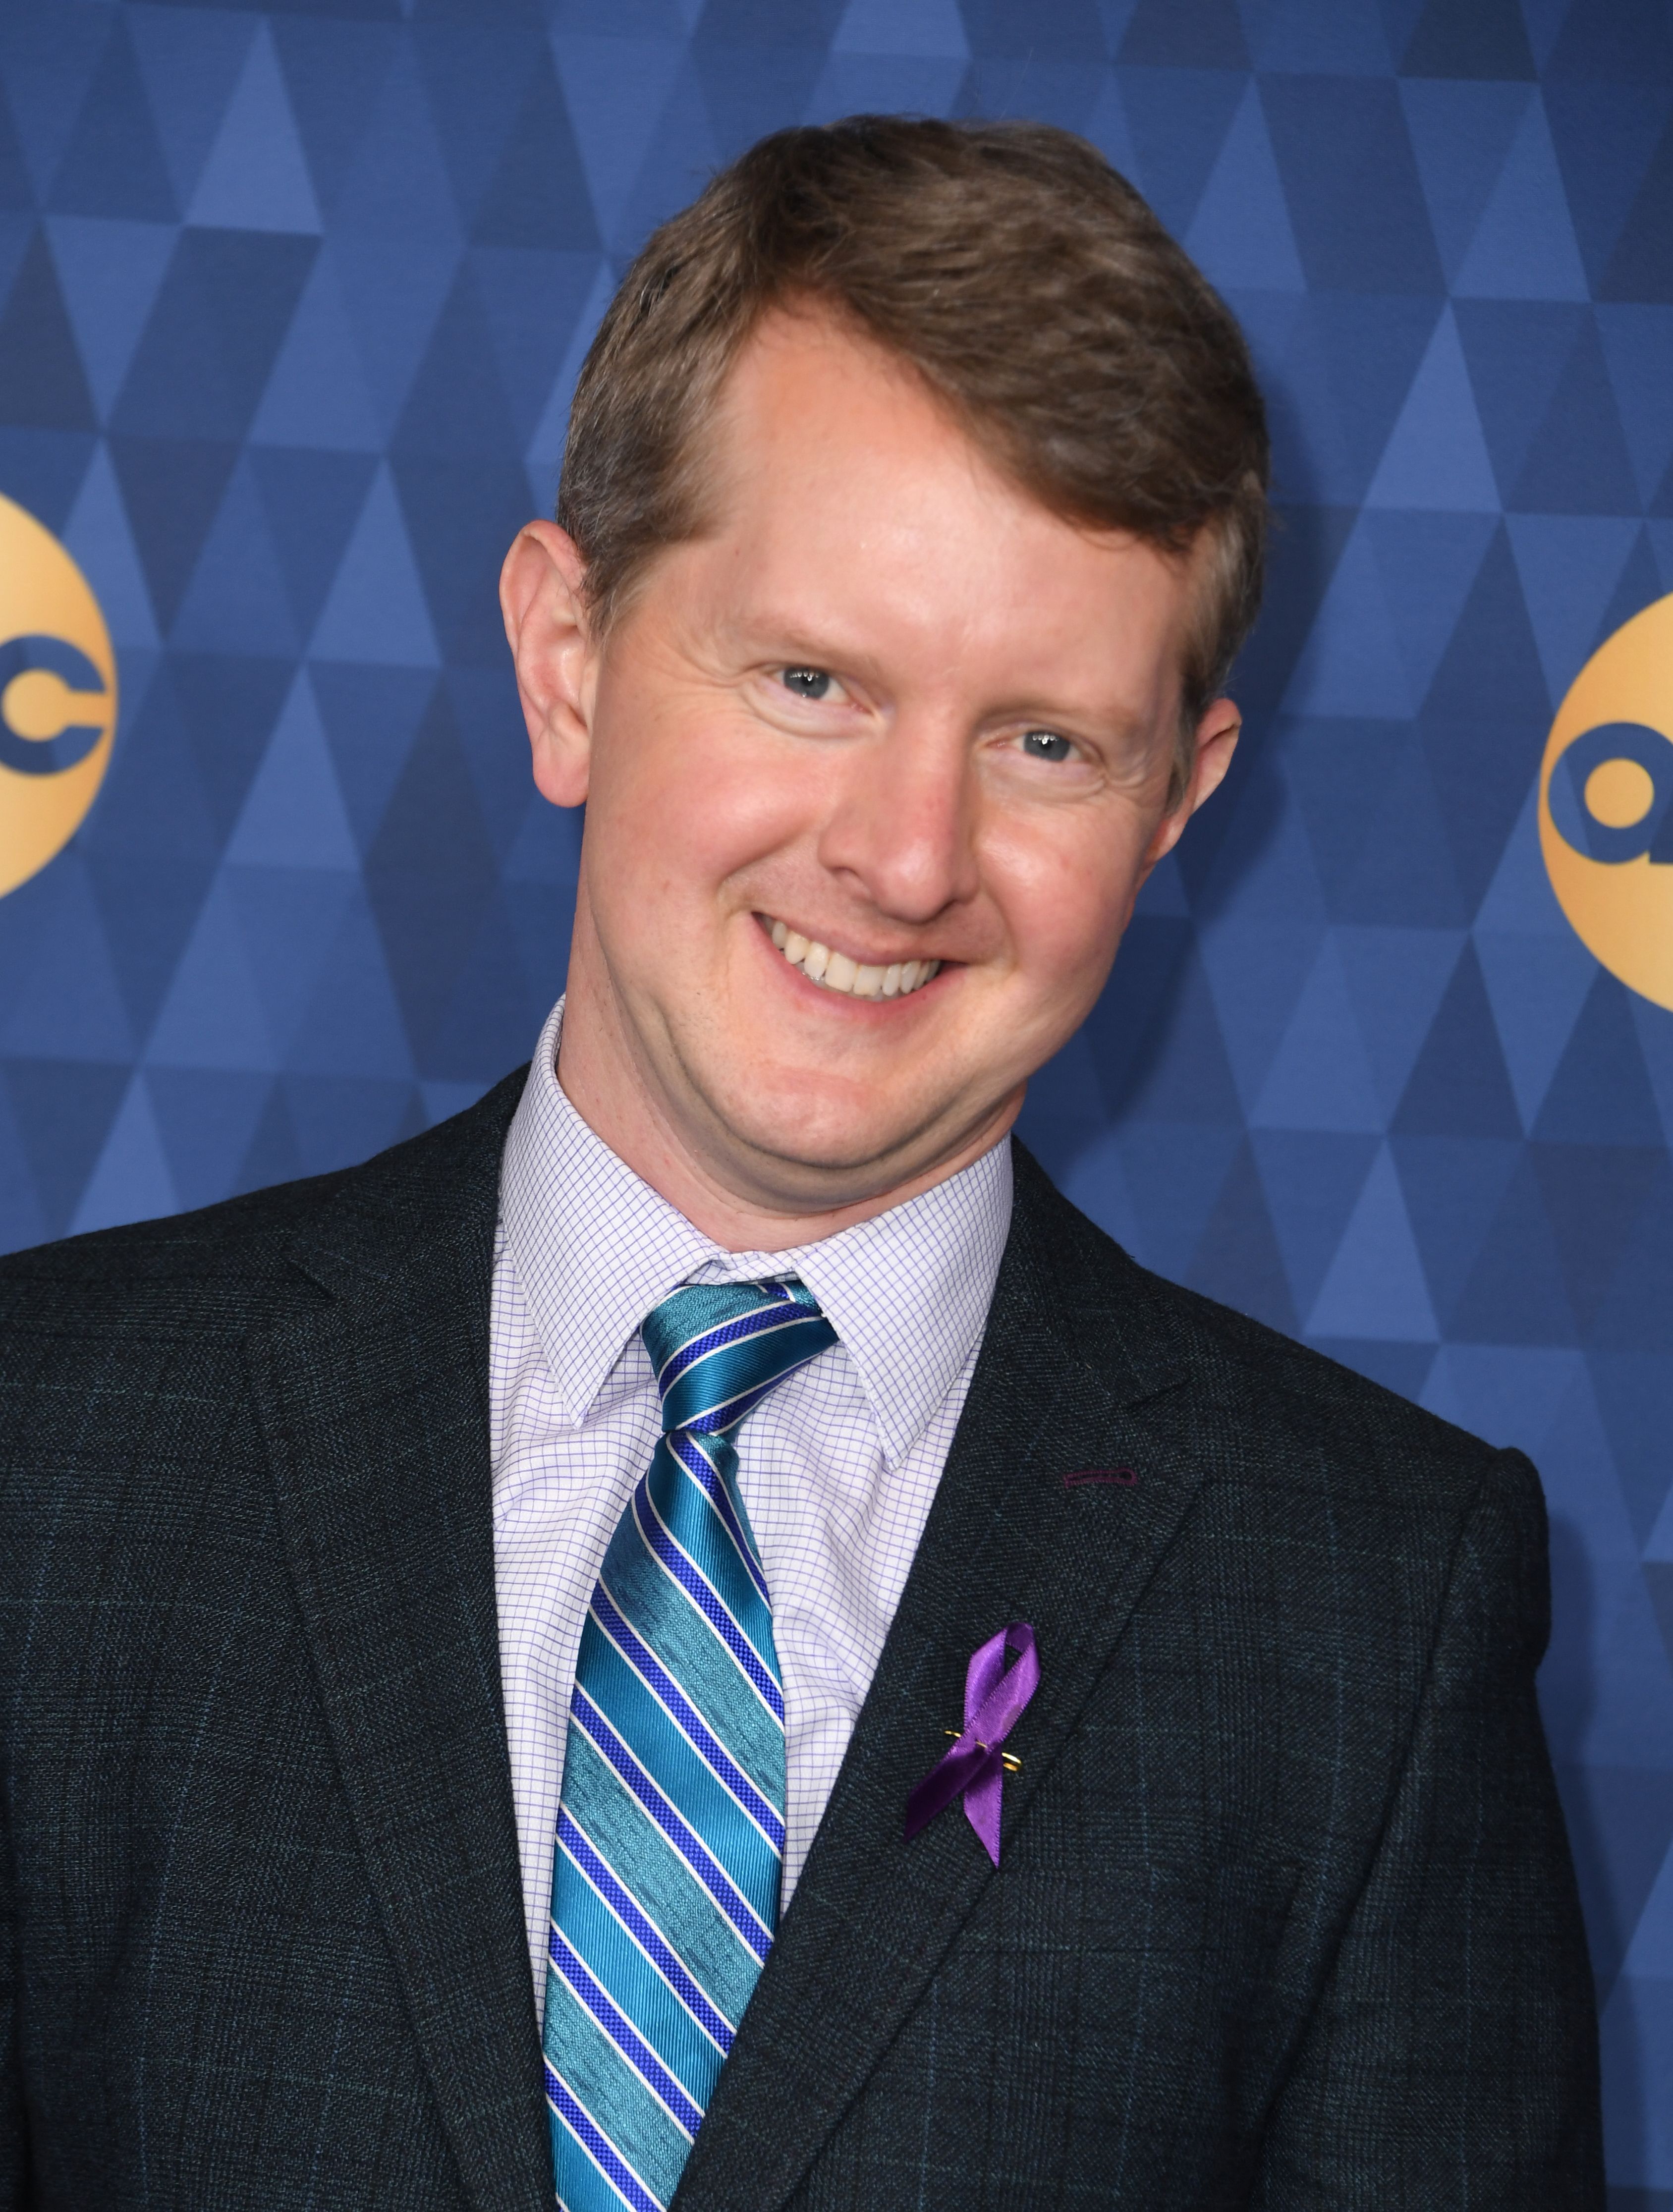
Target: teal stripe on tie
700	1533
600	2079
660	1883
672	1824
673	1774
747	1855
585	2189
680	1638
736	1366
612	1954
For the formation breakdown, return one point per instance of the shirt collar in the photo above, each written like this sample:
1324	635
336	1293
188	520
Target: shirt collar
595	1247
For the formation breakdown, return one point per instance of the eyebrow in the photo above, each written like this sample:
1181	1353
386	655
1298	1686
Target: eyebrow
778	635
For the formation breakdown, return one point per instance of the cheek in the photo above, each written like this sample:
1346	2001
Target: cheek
685	795
1065	898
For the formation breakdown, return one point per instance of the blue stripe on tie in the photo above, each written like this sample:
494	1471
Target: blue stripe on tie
698	1465
644	1660
631	1844
635	2121
603	2153
670	1501
734	1376
755	1323
623	2033
713	1877
627	1977
701	1309
680	1484
682	1507
750	1859
682	1570
648	1938
726	1351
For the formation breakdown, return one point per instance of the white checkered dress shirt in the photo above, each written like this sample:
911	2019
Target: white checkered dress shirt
838	1466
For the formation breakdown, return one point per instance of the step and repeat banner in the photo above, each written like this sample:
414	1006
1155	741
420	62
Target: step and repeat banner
292	301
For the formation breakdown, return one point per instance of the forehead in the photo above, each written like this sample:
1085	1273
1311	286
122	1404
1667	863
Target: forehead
809	392
839	483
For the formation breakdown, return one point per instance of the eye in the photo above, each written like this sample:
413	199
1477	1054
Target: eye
807	683
1045	745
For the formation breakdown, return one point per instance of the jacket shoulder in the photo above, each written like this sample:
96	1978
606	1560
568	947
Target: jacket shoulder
220	1265
1280	1392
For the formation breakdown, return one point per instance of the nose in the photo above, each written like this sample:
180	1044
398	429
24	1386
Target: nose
902	828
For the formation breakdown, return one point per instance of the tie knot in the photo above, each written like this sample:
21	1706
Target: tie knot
718	1348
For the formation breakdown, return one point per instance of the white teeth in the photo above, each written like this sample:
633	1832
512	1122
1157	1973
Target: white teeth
852	978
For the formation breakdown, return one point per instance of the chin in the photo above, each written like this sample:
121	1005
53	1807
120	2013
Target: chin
808	1133
830	1143
812	1154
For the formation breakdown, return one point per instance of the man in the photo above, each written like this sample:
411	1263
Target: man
562	1543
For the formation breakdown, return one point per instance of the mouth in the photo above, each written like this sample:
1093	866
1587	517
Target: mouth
835	971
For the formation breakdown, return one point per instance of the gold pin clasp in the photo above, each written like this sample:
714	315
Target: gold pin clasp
1011	1766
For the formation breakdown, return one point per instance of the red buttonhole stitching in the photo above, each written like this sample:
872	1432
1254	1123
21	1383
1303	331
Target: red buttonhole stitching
1123	1476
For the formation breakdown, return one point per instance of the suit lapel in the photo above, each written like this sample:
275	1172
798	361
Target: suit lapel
1061	1385
374	1402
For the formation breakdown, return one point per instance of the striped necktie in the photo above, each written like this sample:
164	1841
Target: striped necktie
671	1828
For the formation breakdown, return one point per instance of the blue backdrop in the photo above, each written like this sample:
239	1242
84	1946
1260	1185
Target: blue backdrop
293	299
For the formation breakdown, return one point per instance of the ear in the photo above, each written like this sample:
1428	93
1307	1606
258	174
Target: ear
546	625
1216	740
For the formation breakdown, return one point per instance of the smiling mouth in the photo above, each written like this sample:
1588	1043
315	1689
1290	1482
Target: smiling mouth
835	971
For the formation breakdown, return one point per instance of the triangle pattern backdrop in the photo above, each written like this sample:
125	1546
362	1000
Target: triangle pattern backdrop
292	302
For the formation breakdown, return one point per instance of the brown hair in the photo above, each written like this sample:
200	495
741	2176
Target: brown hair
1026	283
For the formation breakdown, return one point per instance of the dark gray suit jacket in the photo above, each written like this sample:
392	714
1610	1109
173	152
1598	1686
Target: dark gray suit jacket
1285	1916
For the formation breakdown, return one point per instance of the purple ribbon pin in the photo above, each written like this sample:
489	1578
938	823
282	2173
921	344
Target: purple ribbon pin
995	1696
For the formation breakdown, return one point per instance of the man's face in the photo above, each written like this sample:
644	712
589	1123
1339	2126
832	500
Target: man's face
888	714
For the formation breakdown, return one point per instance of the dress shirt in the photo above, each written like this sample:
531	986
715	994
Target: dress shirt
837	1466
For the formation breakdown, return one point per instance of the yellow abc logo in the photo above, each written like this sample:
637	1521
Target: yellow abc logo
1606	804
57	696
